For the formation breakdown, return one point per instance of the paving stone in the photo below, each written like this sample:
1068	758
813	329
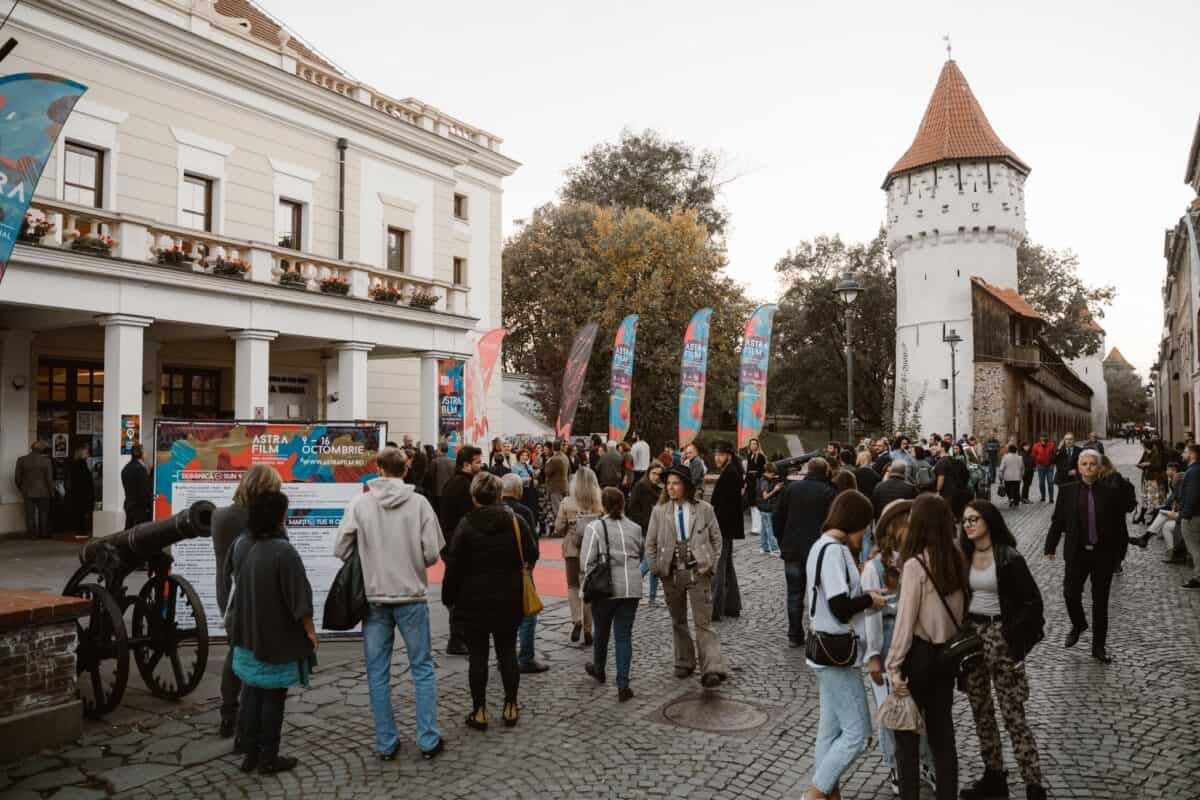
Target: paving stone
172	727
53	778
322	697
83	753
78	793
204	750
33	766
132	776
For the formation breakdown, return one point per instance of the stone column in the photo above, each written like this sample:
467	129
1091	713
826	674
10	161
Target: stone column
18	383
428	428
151	380
123	367
352	378
252	373
332	408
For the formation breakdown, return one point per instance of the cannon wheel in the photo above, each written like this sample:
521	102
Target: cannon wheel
87	572
170	659
102	637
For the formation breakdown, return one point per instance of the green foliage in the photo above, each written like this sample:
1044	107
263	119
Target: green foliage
644	170
1049	280
1128	397
808	371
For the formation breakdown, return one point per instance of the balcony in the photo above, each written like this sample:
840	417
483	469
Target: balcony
1026	356
99	233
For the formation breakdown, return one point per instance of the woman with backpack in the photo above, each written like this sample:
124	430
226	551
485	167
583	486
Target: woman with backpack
953	480
574	514
933	590
922	470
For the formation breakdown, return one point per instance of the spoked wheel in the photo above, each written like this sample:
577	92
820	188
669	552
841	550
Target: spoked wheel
102	655
88	573
170	636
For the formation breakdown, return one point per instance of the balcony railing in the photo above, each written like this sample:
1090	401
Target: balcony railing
103	233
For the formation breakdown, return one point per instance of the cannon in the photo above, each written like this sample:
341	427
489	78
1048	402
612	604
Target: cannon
163	625
786	465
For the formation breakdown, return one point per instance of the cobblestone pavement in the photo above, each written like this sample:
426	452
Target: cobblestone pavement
1126	731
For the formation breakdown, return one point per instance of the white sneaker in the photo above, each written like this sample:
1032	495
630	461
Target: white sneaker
894	781
929	776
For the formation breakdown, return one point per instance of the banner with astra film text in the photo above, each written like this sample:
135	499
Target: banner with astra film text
752	378
621	393
693	373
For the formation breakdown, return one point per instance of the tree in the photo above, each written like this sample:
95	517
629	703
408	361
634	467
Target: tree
1049	280
644	170
575	263
1128	397
808	374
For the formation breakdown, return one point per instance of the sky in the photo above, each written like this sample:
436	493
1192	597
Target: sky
810	103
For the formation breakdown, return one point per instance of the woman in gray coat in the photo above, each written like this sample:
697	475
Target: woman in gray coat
617	539
1012	468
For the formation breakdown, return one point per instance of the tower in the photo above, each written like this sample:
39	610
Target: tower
955	210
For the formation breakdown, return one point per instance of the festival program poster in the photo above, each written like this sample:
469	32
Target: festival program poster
752	379
693	373
451	403
621	393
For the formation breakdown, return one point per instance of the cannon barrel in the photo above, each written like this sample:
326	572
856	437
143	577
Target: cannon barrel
142	541
786	465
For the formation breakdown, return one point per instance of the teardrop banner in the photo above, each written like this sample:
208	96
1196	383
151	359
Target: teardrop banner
33	110
693	372
752	378
621	393
573	375
477	379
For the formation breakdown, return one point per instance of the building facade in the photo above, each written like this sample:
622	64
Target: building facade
955	218
286	242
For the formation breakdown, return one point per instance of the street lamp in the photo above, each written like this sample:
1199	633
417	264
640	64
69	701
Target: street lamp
953	339
848	289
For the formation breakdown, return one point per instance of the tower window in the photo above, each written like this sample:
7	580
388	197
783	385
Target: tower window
945	208
945	383
974	206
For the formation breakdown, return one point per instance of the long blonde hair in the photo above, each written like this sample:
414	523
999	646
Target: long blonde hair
585	491
257	480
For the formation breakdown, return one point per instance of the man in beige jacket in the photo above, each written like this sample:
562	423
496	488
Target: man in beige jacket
683	544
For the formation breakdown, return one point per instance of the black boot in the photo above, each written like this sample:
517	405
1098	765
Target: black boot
1034	792
992	786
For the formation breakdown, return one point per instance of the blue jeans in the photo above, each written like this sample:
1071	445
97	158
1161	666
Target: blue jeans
844	725
796	576
653	578
614	615
766	534
378	636
526	633
991	473
1046	479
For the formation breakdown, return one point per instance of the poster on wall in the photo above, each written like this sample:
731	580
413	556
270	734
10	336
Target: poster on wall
452	405
131	432
323	466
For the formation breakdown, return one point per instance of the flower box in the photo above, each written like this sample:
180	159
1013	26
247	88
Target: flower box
231	268
422	299
295	279
95	245
173	257
335	286
385	294
33	229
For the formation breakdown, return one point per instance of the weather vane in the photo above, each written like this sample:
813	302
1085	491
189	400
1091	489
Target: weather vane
949	55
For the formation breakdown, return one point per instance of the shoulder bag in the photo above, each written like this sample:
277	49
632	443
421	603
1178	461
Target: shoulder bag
598	584
530	602
346	603
963	651
829	649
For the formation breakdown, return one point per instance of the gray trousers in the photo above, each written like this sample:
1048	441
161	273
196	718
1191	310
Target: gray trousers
1191	540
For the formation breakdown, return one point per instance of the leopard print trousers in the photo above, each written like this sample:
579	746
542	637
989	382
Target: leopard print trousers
1012	690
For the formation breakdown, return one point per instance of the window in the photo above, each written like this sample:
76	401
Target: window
288	218
190	393
83	175
945	383
396	240
460	206
460	272
89	385
197	202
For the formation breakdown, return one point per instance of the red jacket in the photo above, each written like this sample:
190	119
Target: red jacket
1043	453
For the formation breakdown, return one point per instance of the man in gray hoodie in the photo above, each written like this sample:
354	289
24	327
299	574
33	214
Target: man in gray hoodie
398	537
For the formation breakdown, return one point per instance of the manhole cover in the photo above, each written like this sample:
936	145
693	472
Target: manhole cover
715	714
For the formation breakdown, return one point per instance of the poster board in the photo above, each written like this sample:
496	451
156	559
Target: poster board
324	465
451	403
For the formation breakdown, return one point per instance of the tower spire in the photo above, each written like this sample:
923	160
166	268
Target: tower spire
949	53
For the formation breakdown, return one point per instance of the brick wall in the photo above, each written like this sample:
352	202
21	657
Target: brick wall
37	667
991	400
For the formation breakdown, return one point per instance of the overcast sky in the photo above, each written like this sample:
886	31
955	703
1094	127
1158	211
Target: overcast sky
812	106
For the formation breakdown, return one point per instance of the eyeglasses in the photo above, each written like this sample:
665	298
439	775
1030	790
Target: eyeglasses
971	520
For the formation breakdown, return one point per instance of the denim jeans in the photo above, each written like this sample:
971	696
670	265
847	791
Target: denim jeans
412	619
653	578
844	725
794	572
615	616
766	534
526	633
260	723
1046	478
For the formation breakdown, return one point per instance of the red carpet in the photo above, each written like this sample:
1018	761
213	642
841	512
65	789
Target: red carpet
550	574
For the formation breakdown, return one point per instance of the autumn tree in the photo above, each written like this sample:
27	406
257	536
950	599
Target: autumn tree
1049	280
1128	397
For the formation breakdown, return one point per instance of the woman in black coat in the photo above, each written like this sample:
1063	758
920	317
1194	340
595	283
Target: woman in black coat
756	463
81	492
483	585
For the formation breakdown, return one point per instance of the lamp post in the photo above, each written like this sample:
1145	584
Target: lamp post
953	339
848	289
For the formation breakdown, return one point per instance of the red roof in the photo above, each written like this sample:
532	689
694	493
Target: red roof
954	128
1115	357
1009	297
265	29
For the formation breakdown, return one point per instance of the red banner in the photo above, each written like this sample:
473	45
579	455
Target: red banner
573	375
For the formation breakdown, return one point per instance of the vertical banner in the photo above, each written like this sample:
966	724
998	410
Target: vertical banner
621	391
131	432
693	372
477	379
451	403
573	375
34	108
752	378
323	465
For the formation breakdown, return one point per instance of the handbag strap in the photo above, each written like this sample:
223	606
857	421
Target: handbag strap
607	549
941	597
817	577
517	531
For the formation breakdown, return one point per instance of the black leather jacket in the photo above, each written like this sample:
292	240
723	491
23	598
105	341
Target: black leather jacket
1021	618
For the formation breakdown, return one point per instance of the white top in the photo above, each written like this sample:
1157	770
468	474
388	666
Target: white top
839	575
641	455
687	520
985	591
873	619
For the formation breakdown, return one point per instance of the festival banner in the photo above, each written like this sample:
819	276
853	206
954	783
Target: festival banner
35	109
752	378
323	466
693	372
478	378
451	404
621	392
573	375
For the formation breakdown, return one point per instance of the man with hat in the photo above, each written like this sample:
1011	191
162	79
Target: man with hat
727	505
683	544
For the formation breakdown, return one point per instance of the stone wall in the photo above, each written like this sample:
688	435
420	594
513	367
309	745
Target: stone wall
991	400
37	667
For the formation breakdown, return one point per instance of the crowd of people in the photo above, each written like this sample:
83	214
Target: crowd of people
894	545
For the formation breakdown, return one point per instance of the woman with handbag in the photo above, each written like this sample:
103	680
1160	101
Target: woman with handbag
1012	469
1006	609
920	663
614	544
485	583
833	647
583	502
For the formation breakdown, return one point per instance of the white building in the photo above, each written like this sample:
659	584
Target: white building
1090	368
207	129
